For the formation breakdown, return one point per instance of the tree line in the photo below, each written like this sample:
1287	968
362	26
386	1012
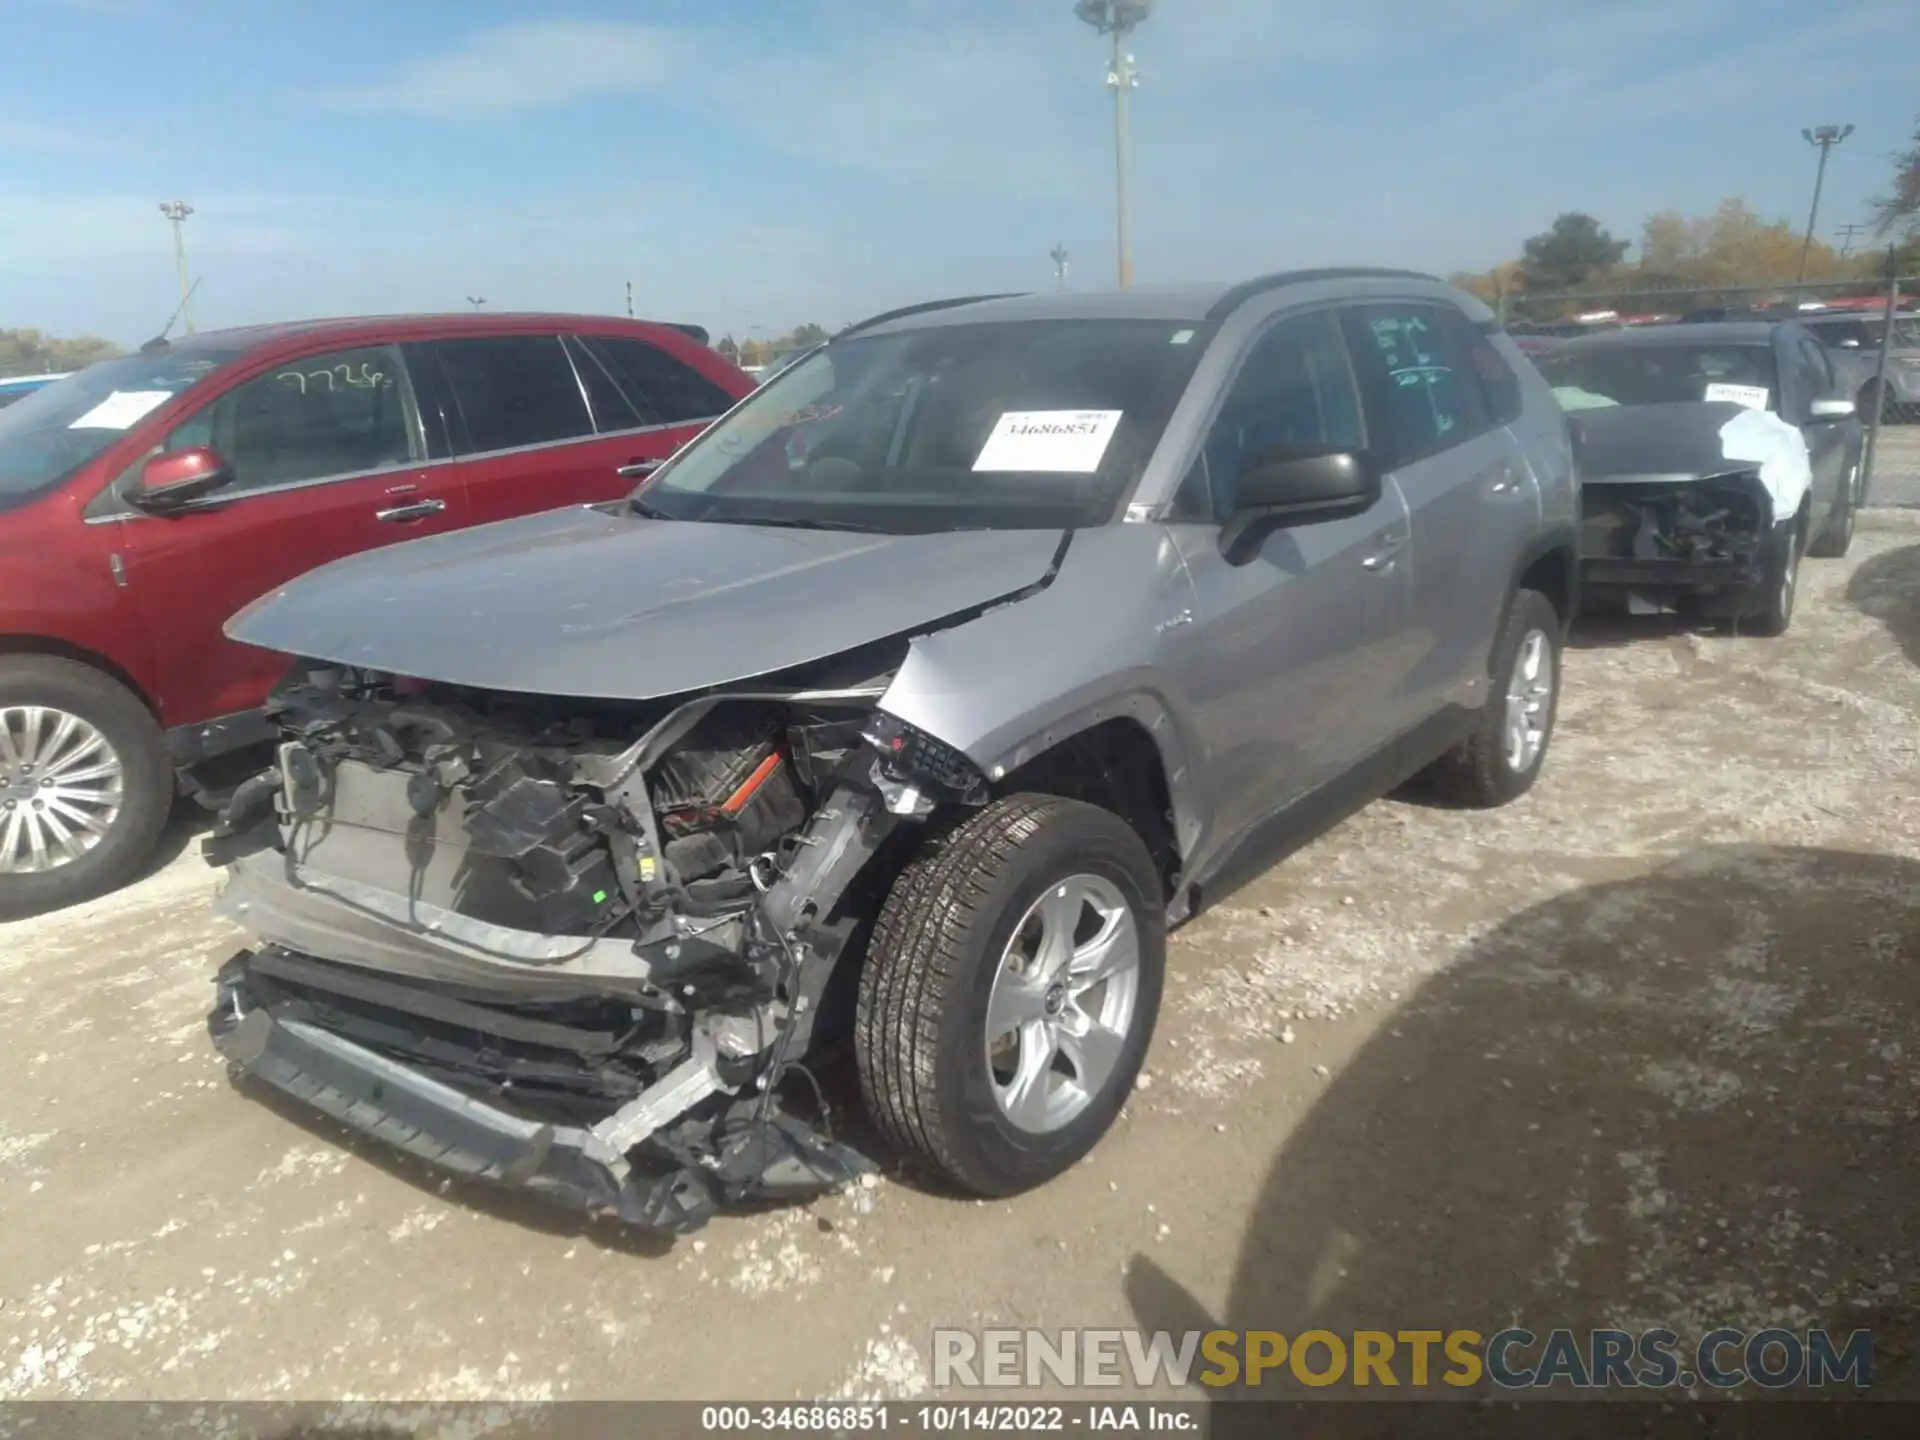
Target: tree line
31	352
752	351
1729	246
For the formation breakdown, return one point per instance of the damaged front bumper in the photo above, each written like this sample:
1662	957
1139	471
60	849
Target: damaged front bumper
583	1168
571	963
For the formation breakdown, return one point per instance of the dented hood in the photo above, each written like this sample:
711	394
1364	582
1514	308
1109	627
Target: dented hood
593	604
1624	443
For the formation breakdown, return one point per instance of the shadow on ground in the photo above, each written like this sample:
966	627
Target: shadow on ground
1685	1100
186	826
1887	588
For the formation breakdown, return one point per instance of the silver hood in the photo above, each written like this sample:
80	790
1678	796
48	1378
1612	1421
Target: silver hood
592	604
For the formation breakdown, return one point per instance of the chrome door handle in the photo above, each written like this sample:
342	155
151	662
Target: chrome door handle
418	510
1506	484
638	468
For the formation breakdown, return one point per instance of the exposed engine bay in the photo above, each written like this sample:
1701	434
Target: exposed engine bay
1718	523
613	937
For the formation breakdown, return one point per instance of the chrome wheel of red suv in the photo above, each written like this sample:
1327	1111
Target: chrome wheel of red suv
61	788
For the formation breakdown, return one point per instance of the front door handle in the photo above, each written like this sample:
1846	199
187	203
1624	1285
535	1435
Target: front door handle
1382	559
638	468
1506	482
418	510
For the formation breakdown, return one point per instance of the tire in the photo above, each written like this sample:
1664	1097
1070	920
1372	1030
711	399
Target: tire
1773	614
1483	770
956	918
125	729
1837	538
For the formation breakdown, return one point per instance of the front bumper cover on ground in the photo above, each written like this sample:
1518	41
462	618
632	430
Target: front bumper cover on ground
452	1131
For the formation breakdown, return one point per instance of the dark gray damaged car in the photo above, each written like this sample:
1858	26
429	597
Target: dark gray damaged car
904	709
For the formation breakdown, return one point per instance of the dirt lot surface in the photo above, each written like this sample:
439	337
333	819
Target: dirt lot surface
1638	1050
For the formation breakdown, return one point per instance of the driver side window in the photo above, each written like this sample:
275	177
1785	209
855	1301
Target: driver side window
1296	388
345	413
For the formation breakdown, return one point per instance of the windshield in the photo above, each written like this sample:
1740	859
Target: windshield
46	435
1020	425
1585	377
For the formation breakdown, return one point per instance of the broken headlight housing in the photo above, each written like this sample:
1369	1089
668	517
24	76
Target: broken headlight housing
912	757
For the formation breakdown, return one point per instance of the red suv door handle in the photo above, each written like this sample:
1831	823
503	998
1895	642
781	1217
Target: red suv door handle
418	510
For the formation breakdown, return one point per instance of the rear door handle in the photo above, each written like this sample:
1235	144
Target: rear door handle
638	468
418	510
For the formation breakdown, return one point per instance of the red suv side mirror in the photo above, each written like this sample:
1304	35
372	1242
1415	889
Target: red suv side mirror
169	481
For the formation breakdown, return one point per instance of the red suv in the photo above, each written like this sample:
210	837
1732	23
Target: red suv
146	499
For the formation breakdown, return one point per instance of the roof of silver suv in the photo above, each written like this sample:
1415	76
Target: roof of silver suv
1197	301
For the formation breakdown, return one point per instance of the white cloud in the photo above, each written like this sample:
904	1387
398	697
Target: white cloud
517	68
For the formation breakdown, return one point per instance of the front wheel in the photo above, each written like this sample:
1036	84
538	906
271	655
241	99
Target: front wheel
1837	538
84	784
1010	991
1779	584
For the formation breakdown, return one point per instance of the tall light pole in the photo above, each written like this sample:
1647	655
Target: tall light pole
1058	254
1847	232
1118	19
1826	137
476	301
177	212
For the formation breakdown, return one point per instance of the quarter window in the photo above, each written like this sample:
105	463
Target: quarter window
514	391
666	390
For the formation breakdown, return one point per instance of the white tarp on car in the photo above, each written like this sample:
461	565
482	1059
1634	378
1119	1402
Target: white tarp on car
1760	437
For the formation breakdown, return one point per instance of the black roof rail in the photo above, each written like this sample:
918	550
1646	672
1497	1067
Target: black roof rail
925	306
698	333
1247	289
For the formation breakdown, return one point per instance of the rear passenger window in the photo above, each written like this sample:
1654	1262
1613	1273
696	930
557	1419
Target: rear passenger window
514	390
666	390
612	410
1415	379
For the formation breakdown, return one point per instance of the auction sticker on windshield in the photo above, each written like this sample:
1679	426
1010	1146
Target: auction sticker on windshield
121	409
1068	442
1754	397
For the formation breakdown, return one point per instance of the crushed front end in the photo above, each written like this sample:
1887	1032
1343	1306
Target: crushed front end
573	947
1675	538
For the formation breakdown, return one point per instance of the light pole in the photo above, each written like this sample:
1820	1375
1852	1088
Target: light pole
1847	232
177	212
476	301
1059	257
1826	137
1118	19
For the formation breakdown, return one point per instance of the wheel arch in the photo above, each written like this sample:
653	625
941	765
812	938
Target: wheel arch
11	645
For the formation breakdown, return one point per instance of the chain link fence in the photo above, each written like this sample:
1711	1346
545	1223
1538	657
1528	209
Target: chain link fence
1870	331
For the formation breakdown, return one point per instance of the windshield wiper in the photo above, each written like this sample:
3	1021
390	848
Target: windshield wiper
798	522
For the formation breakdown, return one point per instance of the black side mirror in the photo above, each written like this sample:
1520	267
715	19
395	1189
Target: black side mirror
1285	484
172	480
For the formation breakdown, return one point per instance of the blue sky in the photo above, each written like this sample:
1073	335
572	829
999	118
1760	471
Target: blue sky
762	164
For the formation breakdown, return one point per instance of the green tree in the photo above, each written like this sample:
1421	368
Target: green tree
1574	249
806	336
729	348
1898	211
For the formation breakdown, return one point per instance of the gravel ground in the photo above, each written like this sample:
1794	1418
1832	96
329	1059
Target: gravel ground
1639	1049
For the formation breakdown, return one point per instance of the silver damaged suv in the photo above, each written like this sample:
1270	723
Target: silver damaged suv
901	712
